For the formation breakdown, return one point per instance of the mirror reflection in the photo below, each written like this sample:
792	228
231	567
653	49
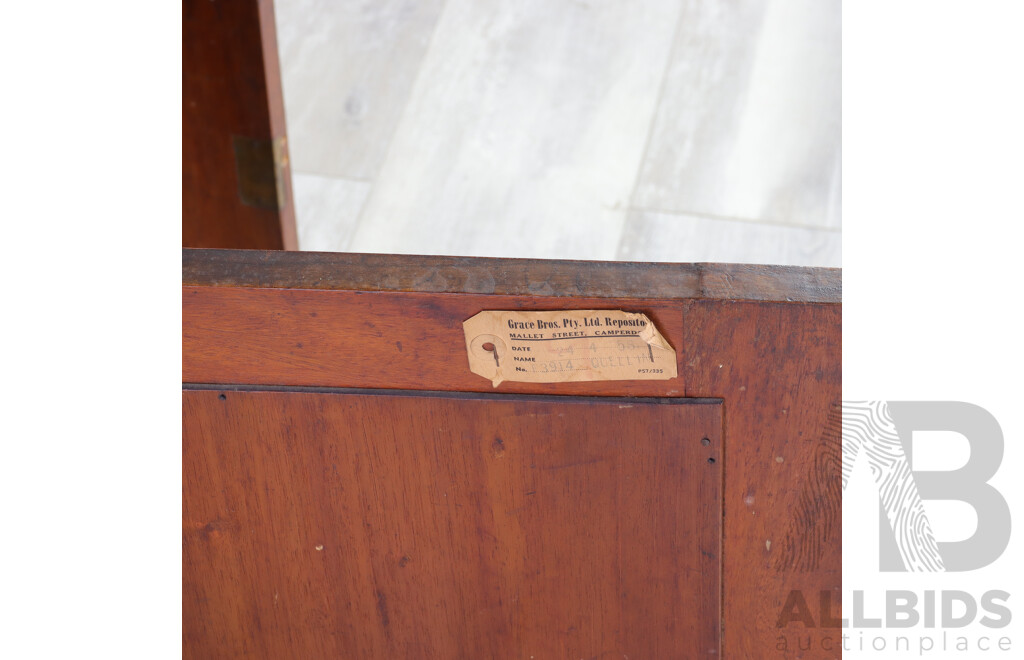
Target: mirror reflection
669	130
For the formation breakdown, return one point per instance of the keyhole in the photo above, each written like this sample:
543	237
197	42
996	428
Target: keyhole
488	346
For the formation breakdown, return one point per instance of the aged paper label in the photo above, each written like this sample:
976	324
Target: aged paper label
567	346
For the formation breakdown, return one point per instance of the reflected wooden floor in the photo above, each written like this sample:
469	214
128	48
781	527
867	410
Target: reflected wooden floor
665	131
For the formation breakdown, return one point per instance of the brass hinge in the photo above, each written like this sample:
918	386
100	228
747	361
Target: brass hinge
261	167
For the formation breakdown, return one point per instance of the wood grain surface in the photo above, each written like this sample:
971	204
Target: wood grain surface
778	369
231	94
771	357
381	525
372	339
516	277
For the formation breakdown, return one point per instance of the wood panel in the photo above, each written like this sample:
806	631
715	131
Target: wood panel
233	195
778	369
381	525
372	339
766	341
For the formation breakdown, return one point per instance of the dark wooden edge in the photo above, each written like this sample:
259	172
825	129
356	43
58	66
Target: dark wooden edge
278	133
534	277
447	394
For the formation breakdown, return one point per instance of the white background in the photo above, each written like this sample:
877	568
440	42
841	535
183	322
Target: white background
90	463
933	187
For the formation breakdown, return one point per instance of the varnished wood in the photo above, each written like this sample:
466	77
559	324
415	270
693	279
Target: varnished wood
516	277
232	111
779	371
371	339
352	525
768	345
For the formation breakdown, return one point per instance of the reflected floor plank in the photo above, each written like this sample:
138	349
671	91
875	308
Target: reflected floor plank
524	131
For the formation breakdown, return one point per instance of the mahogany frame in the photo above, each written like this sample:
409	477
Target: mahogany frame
765	340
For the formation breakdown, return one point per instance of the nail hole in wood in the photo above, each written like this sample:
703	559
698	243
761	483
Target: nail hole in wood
711	460
223	397
705	441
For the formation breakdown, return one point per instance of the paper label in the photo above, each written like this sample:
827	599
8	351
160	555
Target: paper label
567	346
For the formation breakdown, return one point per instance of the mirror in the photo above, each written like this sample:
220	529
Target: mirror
655	131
